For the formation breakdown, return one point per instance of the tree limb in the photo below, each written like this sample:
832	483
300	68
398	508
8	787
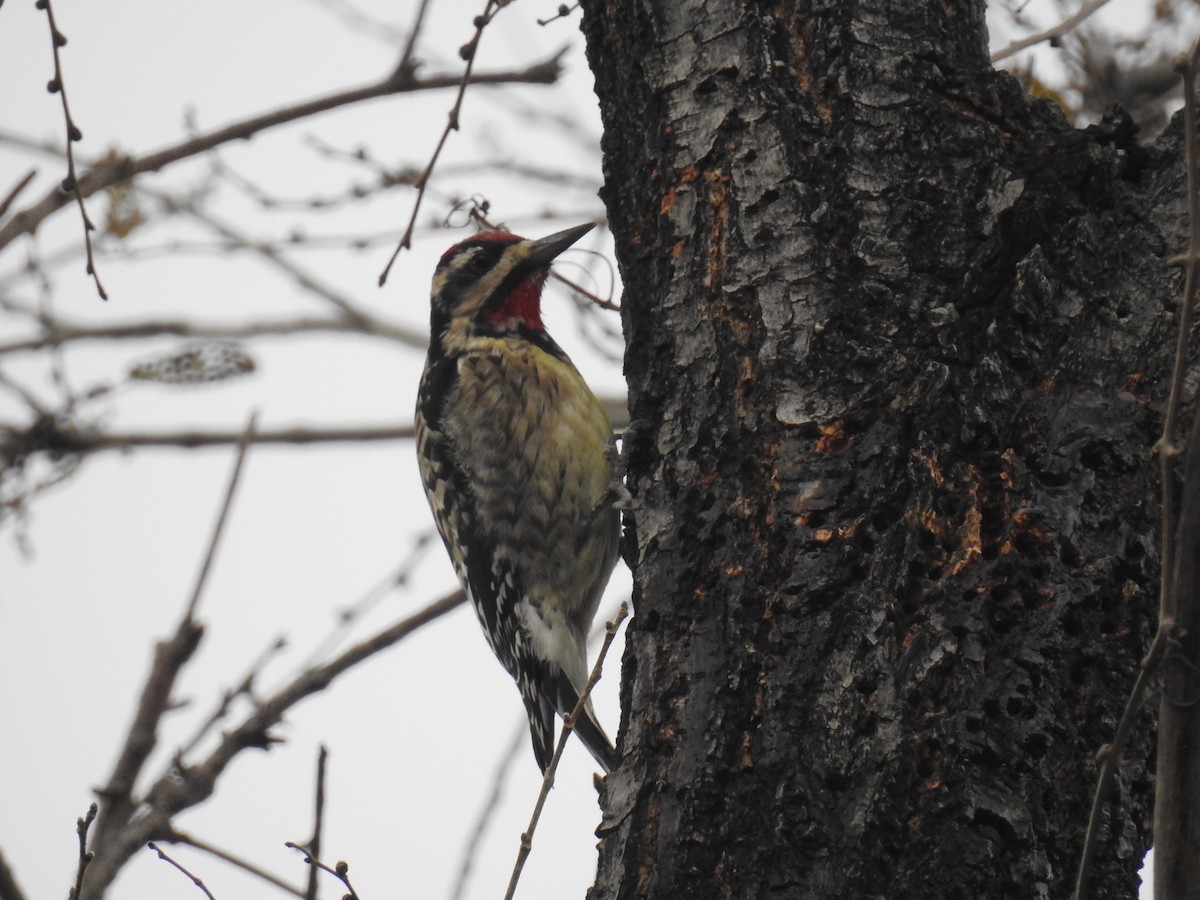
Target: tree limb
65	441
9	889
169	659
186	786
1050	34
180	837
50	437
61	332
111	171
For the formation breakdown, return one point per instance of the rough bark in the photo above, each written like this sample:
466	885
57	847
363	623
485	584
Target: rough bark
900	336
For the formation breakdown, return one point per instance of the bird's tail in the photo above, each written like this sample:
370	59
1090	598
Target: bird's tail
595	739
541	720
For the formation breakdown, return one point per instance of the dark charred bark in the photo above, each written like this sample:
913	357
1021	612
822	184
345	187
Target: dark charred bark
902	334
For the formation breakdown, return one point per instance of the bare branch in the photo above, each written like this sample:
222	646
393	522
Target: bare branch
12	195
1110	756
46	434
1050	34
196	880
9	889
561	13
82	825
188	786
109	172
179	837
70	184
117	795
340	871
26	395
88	441
53	437
610	632
222	517
408	60
468	53
1177	774
63	332
355	19
387	176
243	688
169	659
318	819
347	616
488	808
274	255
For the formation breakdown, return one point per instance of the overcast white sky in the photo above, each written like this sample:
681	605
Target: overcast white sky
416	734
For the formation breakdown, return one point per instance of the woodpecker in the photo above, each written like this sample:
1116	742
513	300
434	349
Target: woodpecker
513	451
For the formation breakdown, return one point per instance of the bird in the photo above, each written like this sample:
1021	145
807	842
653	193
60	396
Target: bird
514	452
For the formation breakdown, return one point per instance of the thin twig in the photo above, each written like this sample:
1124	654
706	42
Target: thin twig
348	616
340	870
1176	786
1112	756
610	632
54	438
1050	34
179	837
196	880
468	52
93	441
350	15
16	191
186	788
169	659
274	255
589	295
561	13
142	737
109	172
1167	448
407	66
68	332
35	405
222	517
1176	829
85	856
318	821
70	184
244	687
488	808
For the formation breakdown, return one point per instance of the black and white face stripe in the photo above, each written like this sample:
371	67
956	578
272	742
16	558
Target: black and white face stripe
470	273
479	273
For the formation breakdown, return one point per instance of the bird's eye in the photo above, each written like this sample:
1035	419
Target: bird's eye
480	263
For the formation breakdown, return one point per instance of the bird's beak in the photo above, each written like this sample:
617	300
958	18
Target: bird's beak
543	251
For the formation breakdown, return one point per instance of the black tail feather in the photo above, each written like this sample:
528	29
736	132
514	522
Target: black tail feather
541	725
586	726
596	741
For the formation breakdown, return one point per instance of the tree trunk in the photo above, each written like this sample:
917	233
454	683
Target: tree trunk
900	336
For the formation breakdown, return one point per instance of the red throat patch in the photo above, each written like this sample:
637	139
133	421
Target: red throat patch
523	304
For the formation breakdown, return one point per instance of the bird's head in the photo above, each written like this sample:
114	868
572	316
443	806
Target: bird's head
492	282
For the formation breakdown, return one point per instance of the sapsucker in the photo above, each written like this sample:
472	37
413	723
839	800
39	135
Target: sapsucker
513	451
